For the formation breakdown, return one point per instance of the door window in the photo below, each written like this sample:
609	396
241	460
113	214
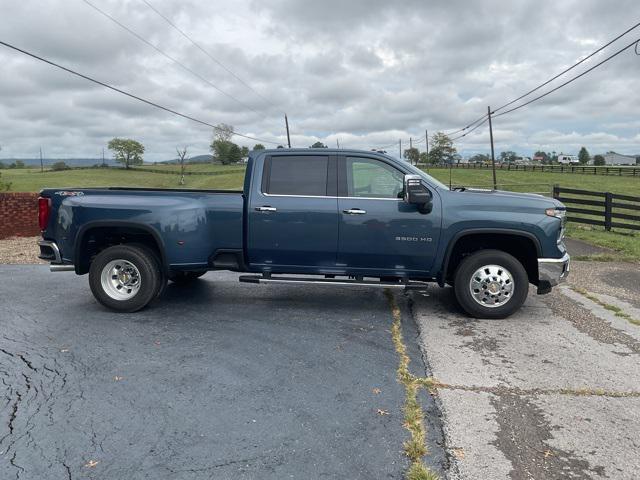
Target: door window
367	177
301	175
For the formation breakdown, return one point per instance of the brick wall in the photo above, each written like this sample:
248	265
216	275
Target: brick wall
18	215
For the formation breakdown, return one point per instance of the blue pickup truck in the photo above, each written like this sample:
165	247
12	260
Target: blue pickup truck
329	217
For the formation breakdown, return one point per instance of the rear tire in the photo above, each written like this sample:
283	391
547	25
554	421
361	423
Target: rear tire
125	278
183	278
491	284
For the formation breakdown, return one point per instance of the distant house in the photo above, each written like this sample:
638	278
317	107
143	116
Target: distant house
613	158
537	159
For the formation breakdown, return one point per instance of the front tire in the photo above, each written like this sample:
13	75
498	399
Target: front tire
491	284
125	278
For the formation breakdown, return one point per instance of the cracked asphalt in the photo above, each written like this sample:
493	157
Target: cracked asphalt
235	381
551	393
217	380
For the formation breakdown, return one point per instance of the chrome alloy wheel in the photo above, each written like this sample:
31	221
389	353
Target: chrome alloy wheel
120	279
491	286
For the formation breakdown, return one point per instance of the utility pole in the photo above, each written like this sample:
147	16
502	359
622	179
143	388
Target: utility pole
286	122
493	156
338	142
103	162
426	139
400	148
41	162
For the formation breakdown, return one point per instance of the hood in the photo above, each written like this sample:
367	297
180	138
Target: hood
507	196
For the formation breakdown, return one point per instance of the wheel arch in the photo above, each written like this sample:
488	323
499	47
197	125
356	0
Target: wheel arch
523	245
114	232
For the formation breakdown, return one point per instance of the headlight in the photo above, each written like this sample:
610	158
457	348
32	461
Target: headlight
561	214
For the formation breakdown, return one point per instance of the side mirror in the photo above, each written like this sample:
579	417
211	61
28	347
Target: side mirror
416	193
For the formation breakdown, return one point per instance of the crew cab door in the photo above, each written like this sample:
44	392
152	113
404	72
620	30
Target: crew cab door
378	232
293	214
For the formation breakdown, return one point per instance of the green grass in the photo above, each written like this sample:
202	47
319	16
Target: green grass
32	180
538	181
624	243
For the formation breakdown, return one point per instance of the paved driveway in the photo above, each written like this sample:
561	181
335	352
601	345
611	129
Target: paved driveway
551	393
220	380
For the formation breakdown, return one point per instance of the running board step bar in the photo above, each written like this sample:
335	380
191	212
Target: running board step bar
332	281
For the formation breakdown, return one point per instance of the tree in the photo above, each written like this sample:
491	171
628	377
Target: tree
318	145
424	157
182	153
245	152
221	150
223	131
442	149
126	151
258	146
583	156
508	156
598	160
480	158
221	144
59	166
412	155
235	153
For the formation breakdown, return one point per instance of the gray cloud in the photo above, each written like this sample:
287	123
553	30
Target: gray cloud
365	72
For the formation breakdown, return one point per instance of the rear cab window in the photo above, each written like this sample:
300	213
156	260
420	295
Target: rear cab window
304	175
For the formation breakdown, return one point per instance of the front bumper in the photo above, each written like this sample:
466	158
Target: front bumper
552	271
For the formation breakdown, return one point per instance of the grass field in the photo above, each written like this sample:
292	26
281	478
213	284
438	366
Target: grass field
625	242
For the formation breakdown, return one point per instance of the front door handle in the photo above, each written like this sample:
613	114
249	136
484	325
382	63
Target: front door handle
354	211
266	208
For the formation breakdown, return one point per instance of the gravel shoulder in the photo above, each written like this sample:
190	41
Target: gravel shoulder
19	250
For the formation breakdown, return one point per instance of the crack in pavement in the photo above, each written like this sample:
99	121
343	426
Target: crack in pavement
523	435
430	382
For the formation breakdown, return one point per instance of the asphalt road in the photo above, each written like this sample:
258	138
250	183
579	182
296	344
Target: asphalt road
218	380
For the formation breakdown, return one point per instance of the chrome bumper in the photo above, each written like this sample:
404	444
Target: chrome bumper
50	251
552	271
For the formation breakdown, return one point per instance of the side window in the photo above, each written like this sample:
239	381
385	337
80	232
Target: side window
290	175
367	177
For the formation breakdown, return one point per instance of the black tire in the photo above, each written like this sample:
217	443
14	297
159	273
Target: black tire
182	278
148	273
164	279
463	285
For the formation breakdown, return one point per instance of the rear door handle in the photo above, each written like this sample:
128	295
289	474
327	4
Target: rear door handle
266	208
354	211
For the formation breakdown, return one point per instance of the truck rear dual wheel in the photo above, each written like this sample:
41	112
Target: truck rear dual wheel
491	284
125	278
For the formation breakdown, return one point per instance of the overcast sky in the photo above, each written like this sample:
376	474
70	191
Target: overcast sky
366	72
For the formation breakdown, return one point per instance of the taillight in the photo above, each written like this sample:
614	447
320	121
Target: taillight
44	209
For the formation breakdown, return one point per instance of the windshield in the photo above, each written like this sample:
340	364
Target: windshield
427	177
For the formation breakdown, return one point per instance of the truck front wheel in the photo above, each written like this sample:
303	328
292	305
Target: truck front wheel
125	278
491	284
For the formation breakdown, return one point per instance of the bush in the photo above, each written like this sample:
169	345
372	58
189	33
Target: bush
59	166
598	160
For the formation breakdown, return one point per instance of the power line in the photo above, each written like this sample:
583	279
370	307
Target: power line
466	127
486	119
166	55
135	97
206	52
570	80
568	69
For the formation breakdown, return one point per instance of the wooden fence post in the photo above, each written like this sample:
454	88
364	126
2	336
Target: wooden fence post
608	197
556	191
